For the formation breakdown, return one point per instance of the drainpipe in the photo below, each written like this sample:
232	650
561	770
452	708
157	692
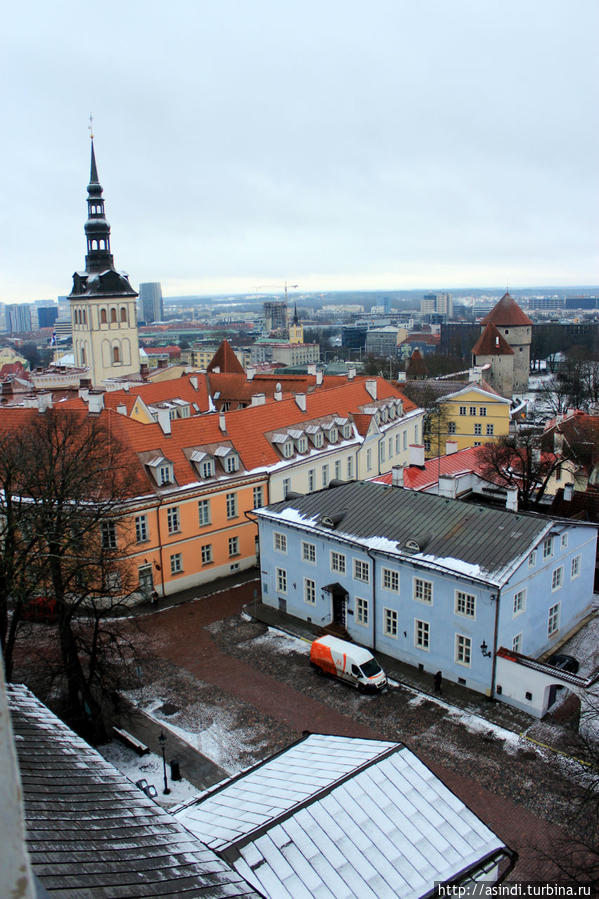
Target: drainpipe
373	594
160	543
494	663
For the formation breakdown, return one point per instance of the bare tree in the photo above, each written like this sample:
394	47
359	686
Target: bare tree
516	460
73	482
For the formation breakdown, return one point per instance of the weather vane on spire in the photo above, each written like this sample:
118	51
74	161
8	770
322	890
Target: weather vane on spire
91	126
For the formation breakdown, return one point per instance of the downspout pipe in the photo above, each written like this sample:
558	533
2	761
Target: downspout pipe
494	664
373	595
158	507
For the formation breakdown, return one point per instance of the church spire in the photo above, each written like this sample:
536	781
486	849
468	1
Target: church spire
97	229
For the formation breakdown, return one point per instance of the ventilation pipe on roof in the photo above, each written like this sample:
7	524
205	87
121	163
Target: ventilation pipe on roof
194	382
448	486
300	399
416	454
318	378
312	368
95	402
164	420
222	422
511	499
568	491
371	386
451	447
397	476
250	372
278	392
351	373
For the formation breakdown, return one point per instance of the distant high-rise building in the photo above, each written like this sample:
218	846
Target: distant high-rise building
18	318
437	302
275	315
47	315
150	302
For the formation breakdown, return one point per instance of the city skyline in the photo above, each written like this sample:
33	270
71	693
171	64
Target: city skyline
395	149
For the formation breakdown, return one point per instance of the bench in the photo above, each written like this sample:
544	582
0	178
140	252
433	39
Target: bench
129	740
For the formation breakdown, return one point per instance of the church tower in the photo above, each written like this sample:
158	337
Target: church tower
103	307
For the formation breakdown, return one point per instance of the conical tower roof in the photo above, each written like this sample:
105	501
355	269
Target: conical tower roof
507	313
491	343
416	367
225	360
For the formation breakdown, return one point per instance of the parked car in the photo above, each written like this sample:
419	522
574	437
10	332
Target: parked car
565	662
348	662
40	608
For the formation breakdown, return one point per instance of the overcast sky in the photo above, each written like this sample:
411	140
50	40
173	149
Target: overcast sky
330	143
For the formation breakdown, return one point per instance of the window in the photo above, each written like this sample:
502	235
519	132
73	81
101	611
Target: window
233	546
558	472
116	356
405	441
463	649
112	581
451	427
279	542
362	611
519	602
325	475
338	562
553	620
575	569
350	468
207	554
422	634
309	552
482	410
113	315
108	535
477	443
391	580
281	580
141	528
311	480
176	563
257	494
390	447
390	622
165	474
309	591
423	590
557	578
532	559
368	459
462	410
103	319
286	487
361	571
231	463
465	604
203	512
382	450
207	468
564	541
490	429
231	505
478	429
338	471
173	521
287	448
517	643
397	444
318	439
472	410
547	548
123	314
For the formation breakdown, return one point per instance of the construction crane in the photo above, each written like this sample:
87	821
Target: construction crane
286	286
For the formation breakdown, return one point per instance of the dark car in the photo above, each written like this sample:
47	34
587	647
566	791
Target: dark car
40	608
565	662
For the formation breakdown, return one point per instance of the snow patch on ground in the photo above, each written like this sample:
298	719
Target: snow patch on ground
149	767
280	642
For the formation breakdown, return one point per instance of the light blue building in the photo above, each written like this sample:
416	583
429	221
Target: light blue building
432	581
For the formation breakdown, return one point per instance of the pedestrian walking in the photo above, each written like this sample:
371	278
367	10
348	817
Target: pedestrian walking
154	599
437	681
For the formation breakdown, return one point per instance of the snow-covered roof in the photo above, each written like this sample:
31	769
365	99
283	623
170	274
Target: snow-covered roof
340	816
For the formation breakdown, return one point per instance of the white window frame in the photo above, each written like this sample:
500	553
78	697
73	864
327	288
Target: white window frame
517	642
204	512
361	571
309	591
258	496
142	534
350	468
231	503
173	520
279	542
338	470
176	563
490	430
362	611
478	429
547	547
308	552
427	587
557	578
519	602
234	547
281	579
553	619
325	475
532	559
338	562
463	650
463	410
390	580
390	622
466	601
206	554
108	529
575	567
564	541
422	635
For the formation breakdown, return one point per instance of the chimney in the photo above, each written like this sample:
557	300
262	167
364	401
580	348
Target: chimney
121	409
511	499
568	491
84	393
300	399
44	401
397	476
194	381
258	399
351	374
371	387
7	388
312	368
143	370
278	392
222	422
95	402
162	363
318	378
451	447
250	372
416	454
474	375
164	420
401	376
448	486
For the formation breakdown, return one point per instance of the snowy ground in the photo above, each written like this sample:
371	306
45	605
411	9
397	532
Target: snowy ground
148	767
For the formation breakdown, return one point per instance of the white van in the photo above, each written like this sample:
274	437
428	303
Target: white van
349	662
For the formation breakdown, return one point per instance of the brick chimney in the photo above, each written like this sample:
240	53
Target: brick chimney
397	476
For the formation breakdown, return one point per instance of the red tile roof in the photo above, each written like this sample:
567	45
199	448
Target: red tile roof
491	343
225	360
417	478
507	312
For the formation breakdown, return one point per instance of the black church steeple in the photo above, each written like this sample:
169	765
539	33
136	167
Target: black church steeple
97	229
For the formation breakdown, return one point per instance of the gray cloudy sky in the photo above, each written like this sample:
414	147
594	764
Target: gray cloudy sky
335	144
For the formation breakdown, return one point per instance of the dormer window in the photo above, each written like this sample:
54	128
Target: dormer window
207	468
302	445
318	439
392	411
284	444
333	435
162	470
228	457
346	431
384	413
165	474
232	463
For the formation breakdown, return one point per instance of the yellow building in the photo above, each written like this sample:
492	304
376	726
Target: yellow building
473	415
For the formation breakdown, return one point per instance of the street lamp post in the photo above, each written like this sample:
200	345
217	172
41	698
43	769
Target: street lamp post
162	741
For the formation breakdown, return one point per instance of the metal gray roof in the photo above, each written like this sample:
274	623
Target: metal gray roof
91	832
477	540
338	816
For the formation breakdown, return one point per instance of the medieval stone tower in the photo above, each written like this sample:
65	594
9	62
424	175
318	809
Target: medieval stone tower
506	328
